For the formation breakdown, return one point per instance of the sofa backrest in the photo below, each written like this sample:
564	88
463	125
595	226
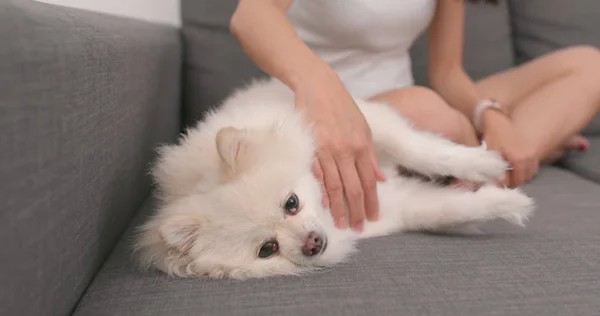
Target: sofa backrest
497	37
541	26
488	46
85	98
214	63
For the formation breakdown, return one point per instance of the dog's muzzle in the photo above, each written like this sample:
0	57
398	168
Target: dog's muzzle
314	244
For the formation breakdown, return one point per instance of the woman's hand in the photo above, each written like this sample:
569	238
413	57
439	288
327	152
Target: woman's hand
501	136
345	162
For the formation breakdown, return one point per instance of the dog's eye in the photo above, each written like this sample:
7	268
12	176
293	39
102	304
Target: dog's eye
291	204
268	249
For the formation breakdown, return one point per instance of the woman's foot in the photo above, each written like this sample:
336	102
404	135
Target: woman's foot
576	142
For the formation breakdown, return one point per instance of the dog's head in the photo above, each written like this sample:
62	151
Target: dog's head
264	218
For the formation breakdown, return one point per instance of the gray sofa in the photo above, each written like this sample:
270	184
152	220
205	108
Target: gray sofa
86	97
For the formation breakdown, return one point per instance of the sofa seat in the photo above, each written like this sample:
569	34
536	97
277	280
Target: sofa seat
549	268
586	164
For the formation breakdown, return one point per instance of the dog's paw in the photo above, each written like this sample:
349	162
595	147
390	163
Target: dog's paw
482	166
511	205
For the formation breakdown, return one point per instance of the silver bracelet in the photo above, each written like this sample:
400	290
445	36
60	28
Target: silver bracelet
478	112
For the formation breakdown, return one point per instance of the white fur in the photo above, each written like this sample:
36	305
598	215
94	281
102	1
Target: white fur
222	189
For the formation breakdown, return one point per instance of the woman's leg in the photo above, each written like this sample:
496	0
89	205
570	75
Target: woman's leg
428	111
550	98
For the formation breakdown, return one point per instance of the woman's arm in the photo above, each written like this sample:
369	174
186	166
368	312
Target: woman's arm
449	79
269	39
445	68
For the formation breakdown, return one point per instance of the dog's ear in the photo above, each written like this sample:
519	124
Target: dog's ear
232	145
179	232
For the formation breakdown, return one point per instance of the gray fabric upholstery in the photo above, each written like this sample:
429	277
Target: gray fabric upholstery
541	26
488	44
593	128
84	99
585	164
214	62
549	268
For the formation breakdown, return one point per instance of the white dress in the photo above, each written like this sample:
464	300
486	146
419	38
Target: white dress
366	42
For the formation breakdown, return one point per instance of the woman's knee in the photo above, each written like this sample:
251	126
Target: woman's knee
428	111
453	125
582	58
585	61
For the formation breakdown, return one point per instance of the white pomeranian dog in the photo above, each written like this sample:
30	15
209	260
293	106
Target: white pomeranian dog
239	199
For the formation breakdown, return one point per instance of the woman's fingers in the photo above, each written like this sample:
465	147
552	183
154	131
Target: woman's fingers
354	192
369	173
318	172
379	175
334	188
525	166
518	175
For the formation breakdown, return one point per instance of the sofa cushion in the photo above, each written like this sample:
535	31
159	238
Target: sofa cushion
585	164
541	26
488	43
214	63
549	268
84	100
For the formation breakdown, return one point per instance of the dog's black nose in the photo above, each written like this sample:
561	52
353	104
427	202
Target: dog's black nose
313	244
